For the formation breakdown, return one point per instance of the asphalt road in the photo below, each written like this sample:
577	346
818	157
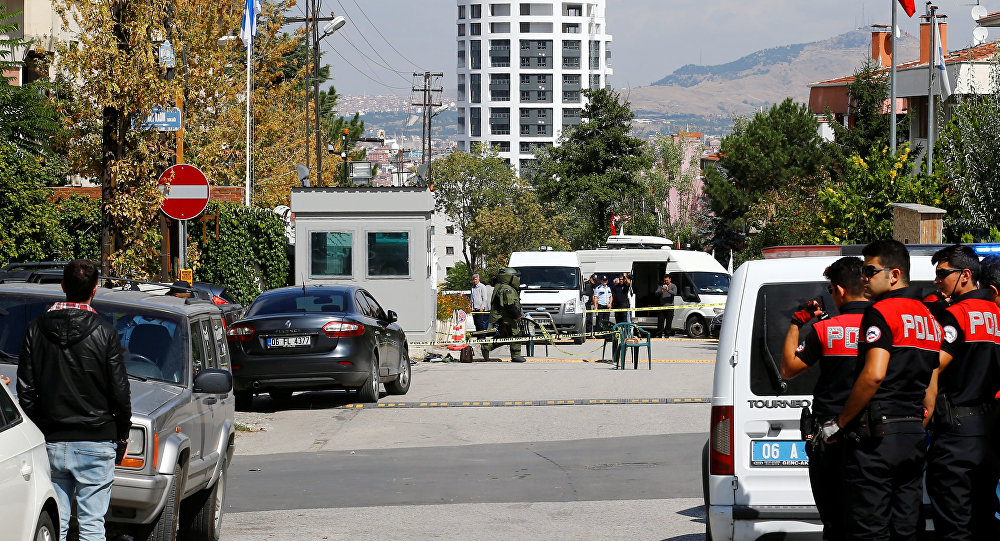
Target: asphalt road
549	449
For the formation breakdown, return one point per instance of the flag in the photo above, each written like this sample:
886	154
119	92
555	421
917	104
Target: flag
940	64
908	7
248	30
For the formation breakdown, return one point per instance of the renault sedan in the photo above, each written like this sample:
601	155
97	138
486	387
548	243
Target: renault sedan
318	337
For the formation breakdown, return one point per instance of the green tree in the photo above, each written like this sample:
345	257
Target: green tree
29	227
467	184
27	117
869	128
679	162
598	171
967	158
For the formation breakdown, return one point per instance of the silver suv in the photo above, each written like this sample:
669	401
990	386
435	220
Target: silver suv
173	477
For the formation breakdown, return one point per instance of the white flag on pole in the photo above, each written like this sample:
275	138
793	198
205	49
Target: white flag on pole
940	64
248	30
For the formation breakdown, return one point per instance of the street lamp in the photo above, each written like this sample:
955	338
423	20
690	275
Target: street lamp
336	24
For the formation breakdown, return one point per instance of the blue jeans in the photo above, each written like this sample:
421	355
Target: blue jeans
86	468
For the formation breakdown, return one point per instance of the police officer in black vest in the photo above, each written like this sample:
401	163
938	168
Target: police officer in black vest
960	483
832	344
882	421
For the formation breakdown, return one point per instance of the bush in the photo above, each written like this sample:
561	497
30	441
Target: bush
447	304
249	256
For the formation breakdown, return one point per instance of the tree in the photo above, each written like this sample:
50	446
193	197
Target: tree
683	214
520	224
967	157
29	227
597	170
869	127
466	184
27	118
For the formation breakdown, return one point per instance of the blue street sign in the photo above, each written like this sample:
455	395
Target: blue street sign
166	54
161	119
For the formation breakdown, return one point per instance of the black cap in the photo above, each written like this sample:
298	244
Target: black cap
180	286
604	277
594	276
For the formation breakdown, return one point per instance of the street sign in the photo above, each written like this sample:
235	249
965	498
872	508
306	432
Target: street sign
166	55
162	119
187	275
186	190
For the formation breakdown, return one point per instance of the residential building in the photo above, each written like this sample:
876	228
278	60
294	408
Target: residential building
446	238
521	69
39	23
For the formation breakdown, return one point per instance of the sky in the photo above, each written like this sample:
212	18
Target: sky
652	38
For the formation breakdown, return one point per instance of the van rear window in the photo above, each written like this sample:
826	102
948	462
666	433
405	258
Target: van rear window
775	305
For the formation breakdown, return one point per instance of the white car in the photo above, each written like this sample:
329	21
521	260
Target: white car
28	508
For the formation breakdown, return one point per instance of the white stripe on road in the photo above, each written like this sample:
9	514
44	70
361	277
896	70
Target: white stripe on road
181	191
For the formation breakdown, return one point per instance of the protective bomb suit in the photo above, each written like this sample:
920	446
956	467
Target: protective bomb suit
505	311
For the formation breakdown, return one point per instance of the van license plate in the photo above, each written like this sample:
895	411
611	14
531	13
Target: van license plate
289	342
778	453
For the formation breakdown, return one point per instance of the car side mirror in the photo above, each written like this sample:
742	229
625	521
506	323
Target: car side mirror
393	317
690	296
213	381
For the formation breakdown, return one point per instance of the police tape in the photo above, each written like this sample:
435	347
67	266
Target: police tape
643	309
545	338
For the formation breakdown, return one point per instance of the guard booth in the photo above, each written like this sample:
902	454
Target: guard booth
378	238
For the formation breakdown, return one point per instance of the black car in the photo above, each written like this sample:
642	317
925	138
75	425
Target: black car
318	337
22	272
222	297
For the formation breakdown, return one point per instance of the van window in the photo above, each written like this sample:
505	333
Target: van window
550	277
777	302
710	283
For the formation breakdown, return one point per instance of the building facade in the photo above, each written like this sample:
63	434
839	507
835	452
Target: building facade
521	69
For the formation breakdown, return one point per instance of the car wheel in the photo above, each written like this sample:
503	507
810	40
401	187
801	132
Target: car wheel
45	530
401	384
244	400
201	513
164	528
695	327
280	395
368	392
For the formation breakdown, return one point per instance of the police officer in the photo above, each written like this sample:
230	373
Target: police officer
505	312
602	301
881	422
832	344
989	280
588	291
960	483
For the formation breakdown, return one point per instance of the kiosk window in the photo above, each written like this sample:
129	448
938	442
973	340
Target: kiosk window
389	254
331	253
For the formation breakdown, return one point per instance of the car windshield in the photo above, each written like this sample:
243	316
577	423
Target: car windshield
711	283
154	344
294	301
550	277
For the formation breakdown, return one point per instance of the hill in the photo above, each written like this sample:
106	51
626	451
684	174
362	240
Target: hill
758	79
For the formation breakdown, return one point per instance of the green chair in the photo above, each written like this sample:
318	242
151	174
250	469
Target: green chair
631	336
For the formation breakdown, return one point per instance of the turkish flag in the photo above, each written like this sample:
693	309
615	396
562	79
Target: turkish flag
908	7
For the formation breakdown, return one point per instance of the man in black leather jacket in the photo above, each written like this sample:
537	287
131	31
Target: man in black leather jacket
71	381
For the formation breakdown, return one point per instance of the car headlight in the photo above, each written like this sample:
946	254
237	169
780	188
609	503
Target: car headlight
570	306
719	311
135	455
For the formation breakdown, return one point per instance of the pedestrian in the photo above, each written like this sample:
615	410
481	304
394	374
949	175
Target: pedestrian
480	303
588	292
832	346
602	301
71	382
881	423
505	313
620	297
960	482
665	318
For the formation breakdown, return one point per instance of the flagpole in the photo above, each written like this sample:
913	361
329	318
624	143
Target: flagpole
892	81
932	19
249	186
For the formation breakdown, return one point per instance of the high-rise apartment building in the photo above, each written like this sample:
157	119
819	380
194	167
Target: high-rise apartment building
521	69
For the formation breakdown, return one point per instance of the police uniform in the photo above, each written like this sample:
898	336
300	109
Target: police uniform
833	344
883	471
960	483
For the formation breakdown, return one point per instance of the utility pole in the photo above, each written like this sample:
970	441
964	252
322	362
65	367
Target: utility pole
427	103
932	19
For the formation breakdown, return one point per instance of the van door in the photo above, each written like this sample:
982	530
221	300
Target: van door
770	461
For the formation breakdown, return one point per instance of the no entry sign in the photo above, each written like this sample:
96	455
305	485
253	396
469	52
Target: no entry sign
186	190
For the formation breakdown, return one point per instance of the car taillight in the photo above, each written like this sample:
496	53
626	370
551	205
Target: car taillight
218	300
721	448
342	329
240	333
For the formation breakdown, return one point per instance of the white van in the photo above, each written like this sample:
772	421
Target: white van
699	278
552	285
754	468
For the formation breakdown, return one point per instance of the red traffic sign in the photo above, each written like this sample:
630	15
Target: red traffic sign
186	191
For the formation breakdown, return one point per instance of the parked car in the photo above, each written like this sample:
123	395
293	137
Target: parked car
221	296
20	272
715	328
28	507
318	337
173	477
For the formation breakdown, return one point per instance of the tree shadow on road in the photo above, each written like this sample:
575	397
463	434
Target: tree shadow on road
310	400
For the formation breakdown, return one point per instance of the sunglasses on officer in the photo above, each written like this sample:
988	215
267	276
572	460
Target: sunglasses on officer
869	271
941	274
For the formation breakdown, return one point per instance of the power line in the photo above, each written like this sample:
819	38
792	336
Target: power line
365	75
379	32
373	61
387	64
